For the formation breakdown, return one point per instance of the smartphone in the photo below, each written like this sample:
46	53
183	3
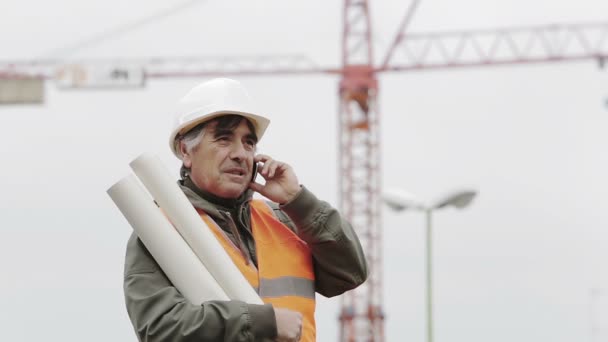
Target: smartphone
255	171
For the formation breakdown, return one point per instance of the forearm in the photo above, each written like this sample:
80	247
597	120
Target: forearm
337	254
159	312
162	314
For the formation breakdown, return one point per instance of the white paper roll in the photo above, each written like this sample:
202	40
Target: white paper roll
157	179
169	249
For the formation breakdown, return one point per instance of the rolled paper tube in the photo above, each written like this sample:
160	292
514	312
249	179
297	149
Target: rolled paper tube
166	245
174	203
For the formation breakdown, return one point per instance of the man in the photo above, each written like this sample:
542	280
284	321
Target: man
287	249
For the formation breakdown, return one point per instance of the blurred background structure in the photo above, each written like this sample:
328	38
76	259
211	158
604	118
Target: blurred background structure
362	311
400	200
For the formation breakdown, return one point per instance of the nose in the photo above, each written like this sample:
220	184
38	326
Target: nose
238	152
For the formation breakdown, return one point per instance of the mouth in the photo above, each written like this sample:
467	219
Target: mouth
236	171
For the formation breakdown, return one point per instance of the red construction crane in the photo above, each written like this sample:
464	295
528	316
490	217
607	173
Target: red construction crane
362	315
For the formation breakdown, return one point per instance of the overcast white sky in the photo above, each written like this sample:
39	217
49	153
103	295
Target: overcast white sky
521	264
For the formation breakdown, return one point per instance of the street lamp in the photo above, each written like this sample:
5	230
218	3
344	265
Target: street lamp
399	200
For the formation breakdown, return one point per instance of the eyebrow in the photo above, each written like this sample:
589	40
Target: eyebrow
226	131
219	132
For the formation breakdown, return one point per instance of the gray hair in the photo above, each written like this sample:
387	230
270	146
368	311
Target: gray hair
191	140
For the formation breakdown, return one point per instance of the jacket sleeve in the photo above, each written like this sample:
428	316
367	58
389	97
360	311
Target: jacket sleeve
159	312
338	258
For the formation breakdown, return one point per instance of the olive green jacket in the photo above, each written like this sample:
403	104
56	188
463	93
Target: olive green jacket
159	312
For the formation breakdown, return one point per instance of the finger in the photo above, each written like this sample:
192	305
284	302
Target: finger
261	158
272	169
282	167
268	165
257	187
276	167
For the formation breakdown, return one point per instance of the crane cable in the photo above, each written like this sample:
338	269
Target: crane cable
120	30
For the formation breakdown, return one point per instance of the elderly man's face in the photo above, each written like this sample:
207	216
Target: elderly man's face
222	163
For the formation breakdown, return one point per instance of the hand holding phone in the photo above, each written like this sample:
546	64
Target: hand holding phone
281	184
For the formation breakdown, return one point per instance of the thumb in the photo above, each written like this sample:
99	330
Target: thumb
257	187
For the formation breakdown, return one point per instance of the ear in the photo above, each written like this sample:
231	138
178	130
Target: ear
186	157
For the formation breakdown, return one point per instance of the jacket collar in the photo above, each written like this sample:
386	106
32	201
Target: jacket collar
210	203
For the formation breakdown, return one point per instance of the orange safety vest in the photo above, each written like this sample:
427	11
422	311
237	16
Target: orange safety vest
285	276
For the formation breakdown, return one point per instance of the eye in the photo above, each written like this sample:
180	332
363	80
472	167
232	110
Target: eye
250	144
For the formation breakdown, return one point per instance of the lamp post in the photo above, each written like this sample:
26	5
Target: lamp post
401	200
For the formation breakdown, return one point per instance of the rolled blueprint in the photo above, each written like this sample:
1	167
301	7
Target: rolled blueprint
169	249
194	230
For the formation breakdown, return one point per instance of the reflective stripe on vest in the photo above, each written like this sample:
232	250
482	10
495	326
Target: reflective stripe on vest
285	275
286	286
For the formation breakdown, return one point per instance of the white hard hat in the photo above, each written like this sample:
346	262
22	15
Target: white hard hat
211	99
